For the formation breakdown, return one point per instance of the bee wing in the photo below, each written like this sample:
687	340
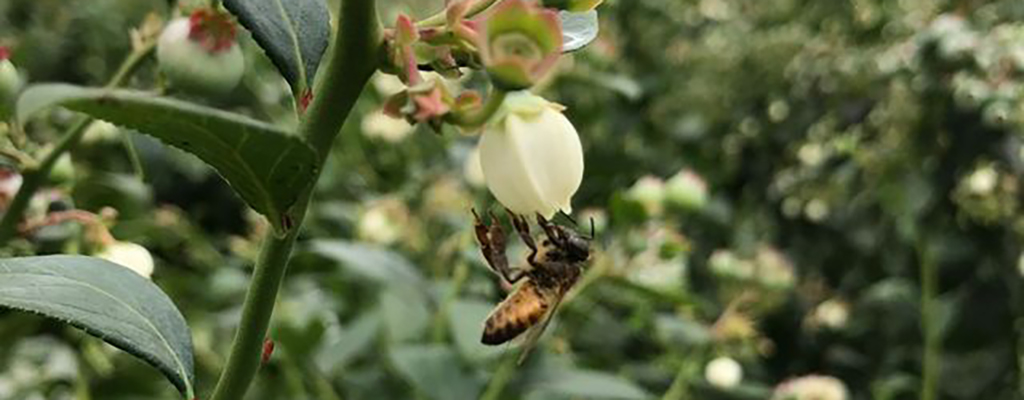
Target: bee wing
535	332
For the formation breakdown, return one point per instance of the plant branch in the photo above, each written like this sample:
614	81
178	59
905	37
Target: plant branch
352	62
34	178
931	361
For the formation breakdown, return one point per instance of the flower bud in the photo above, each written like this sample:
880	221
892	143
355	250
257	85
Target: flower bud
379	125
520	43
129	255
831	314
723	372
200	55
573	5
983	180
686	190
100	131
649	192
63	171
531	156
10	84
384	221
725	264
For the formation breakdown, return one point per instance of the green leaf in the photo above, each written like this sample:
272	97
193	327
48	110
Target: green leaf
587	384
436	372
405	312
578	29
466	318
108	301
266	166
338	349
293	33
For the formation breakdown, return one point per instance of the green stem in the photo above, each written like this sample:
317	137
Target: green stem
679	388
931	362
34	178
501	378
475	120
441	18
352	62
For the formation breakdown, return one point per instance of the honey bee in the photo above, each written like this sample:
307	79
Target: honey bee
553	268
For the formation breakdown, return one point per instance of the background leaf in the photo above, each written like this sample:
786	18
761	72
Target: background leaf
293	33
578	383
578	29
371	262
435	371
264	164
108	301
466	318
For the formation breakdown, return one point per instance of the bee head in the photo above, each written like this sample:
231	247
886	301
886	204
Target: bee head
578	247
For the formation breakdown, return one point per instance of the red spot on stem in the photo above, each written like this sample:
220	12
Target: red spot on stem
304	100
268	350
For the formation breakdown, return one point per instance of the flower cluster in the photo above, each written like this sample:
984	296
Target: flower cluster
530	154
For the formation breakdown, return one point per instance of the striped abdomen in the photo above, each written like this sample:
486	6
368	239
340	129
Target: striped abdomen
522	309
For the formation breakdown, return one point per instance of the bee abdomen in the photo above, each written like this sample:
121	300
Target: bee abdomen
521	310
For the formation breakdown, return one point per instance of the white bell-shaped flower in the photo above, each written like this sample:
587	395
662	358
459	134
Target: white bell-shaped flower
129	255
531	156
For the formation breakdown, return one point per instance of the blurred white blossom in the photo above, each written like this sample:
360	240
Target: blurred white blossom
816	210
129	255
383	221
378	125
774	269
725	263
811	387
983	180
723	372
832	314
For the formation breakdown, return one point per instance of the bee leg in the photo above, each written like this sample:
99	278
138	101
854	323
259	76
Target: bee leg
492	245
553	232
523	228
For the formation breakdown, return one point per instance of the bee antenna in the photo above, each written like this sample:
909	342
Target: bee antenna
591	228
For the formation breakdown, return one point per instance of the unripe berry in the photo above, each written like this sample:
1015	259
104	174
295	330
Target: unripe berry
200	55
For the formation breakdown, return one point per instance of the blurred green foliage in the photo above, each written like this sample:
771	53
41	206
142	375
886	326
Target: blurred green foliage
842	144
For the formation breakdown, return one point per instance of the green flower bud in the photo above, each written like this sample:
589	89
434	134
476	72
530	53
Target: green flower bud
520	43
10	84
63	171
649	192
686	190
